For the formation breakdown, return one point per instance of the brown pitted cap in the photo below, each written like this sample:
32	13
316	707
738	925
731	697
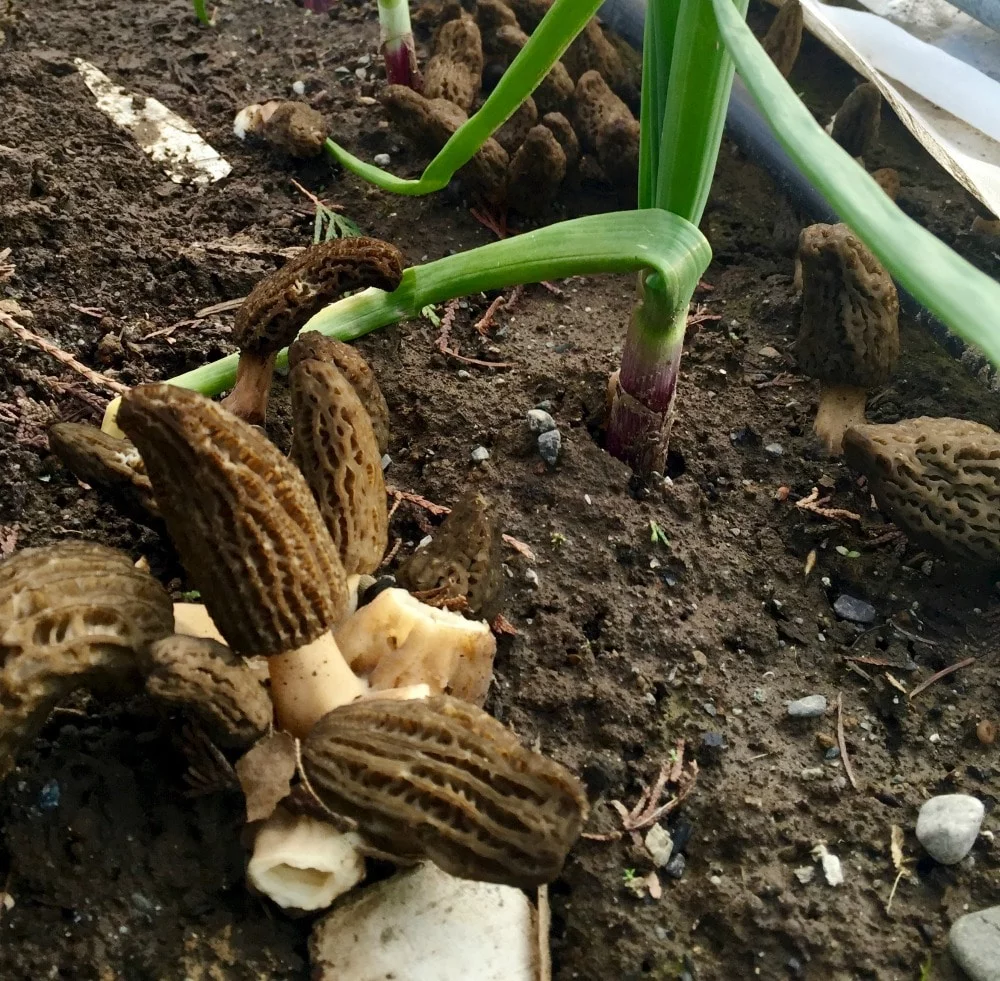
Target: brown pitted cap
280	305
242	518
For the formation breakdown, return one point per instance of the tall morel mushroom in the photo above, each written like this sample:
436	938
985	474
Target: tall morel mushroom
335	447
938	480
440	779
253	542
72	615
784	37
849	333
280	305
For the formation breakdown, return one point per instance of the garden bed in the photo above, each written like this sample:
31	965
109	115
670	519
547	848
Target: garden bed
644	617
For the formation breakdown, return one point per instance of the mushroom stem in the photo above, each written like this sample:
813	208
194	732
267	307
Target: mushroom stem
248	399
840	408
309	682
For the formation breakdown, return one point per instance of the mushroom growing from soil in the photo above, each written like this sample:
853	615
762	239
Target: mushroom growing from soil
294	127
455	70
855	126
607	128
253	542
442	780
938	480
73	615
335	447
280	305
849	334
784	37
536	172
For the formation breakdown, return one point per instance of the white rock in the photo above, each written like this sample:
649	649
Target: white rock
974	942
539	421
948	826
659	844
810	707
382	159
480	454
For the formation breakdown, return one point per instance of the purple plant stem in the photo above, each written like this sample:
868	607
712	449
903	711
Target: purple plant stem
401	63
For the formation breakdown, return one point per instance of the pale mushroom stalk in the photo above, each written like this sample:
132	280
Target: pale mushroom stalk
849	335
249	533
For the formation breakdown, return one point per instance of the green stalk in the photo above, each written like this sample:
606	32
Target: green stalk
627	241
964	298
201	12
564	20
396	42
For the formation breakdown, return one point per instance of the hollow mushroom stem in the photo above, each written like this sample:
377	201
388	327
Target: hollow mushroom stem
249	396
309	682
840	408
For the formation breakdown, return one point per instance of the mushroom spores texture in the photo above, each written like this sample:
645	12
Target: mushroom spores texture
242	518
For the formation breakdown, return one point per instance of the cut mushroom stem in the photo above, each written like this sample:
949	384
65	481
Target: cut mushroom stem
309	682
840	408
250	394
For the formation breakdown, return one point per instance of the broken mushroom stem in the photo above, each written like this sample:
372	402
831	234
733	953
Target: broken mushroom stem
841	407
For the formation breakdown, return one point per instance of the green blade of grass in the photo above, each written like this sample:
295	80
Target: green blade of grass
701	76
657	46
201	11
619	242
964	298
564	20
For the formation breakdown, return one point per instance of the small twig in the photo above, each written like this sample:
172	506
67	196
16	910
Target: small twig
96	312
842	742
782	380
94	377
943	673
815	505
6	268
483	324
916	638
899	875
700	315
502	626
224	307
447	320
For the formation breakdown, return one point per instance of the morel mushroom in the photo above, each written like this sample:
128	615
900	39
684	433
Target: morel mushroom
784	37
855	126
607	128
294	127
72	615
442	780
252	539
319	347
849	334
455	71
938	480
335	447
463	559
536	172
103	461
555	89
280	305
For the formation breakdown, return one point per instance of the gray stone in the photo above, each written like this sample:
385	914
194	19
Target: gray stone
539	421
676	865
774	450
853	609
810	707
549	445
974	941
480	454
948	826
382	159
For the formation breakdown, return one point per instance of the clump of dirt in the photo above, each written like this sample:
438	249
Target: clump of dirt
646	616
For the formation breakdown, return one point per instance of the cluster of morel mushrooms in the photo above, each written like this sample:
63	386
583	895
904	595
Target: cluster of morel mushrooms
370	738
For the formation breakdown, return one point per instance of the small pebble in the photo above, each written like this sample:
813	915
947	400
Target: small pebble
812	773
386	461
549	445
659	844
480	454
48	798
810	707
463	374
853	609
539	421
948	826
676	865
974	942
382	159
532	577
299	87
774	450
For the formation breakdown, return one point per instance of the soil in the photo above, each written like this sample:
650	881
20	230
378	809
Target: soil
626	641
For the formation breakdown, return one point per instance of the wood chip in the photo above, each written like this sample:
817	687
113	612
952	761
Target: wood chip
943	673
842	742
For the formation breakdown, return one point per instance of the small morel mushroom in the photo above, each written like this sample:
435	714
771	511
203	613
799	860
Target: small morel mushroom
253	542
207	681
347	359
511	135
888	179
856	124
103	461
555	89
849	334
279	306
565	134
398	642
591	51
455	71
938	480
536	172
607	128
784	37
430	123
334	446
72	615
293	127
462	559
442	780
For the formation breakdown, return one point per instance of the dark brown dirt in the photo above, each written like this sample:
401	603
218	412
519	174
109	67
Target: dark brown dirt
625	644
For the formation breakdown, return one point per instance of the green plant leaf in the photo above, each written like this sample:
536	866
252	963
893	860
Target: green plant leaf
201	12
624	241
967	300
697	94
657	47
564	20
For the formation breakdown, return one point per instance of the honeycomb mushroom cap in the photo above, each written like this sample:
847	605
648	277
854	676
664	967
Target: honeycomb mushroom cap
938	480
784	37
242	518
72	615
279	305
856	125
455	70
335	447
849	331
437	778
311	344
